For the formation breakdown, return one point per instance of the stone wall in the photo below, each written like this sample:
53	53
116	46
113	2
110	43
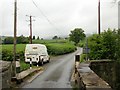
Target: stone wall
109	71
5	73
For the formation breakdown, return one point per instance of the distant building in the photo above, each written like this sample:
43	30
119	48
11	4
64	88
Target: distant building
119	14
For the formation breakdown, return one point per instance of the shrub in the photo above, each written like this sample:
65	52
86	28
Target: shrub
59	49
7	55
82	57
103	46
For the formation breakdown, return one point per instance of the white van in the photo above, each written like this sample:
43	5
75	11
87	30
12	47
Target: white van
37	53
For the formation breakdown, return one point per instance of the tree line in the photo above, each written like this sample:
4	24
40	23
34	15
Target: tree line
75	35
20	40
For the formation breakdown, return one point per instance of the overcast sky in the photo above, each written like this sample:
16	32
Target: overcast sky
64	16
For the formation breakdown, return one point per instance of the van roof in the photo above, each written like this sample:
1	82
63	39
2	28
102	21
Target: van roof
35	48
35	45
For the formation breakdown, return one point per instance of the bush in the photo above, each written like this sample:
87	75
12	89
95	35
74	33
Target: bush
7	55
21	55
103	46
59	49
82	57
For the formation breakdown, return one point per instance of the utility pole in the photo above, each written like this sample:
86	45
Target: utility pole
119	15
99	18
30	27
15	32
86	49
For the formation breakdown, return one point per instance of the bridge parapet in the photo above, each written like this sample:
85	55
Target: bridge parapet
87	79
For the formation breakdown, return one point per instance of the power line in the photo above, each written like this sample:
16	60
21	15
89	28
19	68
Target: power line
44	15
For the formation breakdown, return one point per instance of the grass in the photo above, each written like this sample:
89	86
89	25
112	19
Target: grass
56	47
51	41
24	66
9	47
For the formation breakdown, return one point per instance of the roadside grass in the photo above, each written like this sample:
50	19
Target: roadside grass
24	66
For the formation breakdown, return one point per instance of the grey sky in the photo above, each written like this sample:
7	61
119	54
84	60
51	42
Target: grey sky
65	15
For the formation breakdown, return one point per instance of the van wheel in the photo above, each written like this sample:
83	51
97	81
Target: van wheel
49	60
41	62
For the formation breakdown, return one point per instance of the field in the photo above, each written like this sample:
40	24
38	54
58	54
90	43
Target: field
55	47
9	47
51	41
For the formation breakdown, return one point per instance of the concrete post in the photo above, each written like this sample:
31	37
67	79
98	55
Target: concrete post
37	63
18	66
30	63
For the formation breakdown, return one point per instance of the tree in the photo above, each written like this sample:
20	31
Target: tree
118	46
33	37
42	39
22	40
76	35
109	43
38	38
66	38
55	37
103	46
8	40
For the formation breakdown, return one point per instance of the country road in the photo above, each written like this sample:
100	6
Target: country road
57	73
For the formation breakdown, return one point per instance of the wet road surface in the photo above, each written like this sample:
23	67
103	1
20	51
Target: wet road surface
57	73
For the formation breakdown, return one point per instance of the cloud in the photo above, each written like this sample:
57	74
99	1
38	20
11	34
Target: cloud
64	16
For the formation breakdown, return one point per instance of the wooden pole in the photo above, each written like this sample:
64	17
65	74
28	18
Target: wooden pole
15	32
99	17
30	29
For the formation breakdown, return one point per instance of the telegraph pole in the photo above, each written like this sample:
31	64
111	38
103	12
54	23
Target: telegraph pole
15	32
99	18
30	28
